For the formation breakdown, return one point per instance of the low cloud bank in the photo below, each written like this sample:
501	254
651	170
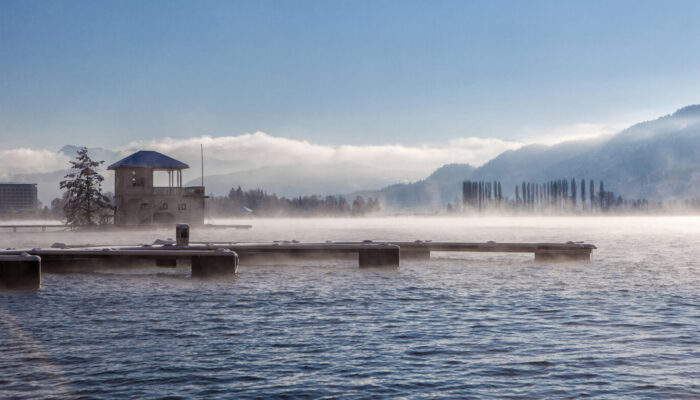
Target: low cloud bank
256	150
226	154
29	161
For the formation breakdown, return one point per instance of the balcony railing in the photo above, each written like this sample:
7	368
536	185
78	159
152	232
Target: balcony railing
194	191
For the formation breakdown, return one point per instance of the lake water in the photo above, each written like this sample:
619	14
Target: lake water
626	325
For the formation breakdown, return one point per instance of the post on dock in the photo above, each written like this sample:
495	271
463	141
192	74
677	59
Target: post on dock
20	271
379	255
224	263
182	235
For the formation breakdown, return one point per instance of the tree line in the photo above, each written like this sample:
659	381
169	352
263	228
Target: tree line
259	202
556	196
83	202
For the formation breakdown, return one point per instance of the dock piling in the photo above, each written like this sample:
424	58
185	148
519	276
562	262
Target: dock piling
20	271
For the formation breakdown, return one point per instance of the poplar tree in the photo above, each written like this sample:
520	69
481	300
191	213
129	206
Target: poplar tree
85	203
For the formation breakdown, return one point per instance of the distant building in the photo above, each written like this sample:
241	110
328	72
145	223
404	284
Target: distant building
18	197
139	202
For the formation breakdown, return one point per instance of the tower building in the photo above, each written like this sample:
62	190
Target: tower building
139	201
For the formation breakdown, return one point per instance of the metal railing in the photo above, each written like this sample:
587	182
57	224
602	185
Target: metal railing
179	191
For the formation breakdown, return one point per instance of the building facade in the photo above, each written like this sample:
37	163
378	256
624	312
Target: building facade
139	202
18	197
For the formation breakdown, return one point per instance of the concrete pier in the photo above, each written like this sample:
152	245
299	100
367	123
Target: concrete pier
21	271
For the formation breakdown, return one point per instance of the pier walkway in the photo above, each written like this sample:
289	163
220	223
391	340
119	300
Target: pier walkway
20	267
569	251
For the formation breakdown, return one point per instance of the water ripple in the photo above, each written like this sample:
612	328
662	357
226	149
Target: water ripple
625	326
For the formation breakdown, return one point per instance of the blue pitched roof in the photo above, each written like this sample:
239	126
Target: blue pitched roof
149	159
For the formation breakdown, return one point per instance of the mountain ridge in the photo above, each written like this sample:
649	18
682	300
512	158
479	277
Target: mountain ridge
656	159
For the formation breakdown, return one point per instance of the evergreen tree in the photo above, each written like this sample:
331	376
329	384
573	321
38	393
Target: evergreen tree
84	202
359	205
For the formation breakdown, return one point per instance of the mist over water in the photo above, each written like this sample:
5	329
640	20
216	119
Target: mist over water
459	325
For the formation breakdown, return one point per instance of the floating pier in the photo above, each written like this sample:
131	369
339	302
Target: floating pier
543	252
23	268
368	254
569	251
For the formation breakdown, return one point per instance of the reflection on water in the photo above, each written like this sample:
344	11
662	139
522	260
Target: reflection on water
460	325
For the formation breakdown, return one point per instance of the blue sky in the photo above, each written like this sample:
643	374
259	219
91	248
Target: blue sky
101	73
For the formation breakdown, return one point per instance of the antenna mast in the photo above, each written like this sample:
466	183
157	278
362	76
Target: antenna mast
201	153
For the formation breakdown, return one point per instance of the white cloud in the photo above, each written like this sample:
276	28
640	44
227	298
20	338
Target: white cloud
26	161
255	150
260	149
